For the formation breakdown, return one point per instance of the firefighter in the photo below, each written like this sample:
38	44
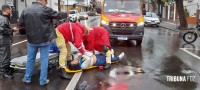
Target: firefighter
70	32
98	39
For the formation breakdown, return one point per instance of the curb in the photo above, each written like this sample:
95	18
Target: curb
170	29
181	32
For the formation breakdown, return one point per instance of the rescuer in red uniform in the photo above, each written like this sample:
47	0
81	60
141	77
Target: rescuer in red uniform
70	32
98	39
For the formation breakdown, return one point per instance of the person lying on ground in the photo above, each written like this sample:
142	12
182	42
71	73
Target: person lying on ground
98	39
83	61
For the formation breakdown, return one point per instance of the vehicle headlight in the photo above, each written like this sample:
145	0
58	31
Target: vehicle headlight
114	24
140	24
131	25
104	22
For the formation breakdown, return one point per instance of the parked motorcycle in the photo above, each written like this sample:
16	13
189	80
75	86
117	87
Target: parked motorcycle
191	36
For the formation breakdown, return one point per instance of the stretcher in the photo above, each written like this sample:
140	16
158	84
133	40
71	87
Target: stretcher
75	71
20	62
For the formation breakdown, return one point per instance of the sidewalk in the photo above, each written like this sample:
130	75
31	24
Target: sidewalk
172	25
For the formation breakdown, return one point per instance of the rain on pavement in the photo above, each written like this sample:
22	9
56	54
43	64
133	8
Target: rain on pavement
159	56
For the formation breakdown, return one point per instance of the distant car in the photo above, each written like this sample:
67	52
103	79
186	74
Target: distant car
73	15
151	19
91	13
83	15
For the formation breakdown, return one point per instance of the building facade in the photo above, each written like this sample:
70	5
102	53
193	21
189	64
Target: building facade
81	5
19	5
192	6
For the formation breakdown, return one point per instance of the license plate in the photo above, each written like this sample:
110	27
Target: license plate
122	38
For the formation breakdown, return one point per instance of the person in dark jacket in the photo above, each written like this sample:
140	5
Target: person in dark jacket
5	42
38	23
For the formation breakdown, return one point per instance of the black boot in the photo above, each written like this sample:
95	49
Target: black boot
107	66
10	71
6	76
64	74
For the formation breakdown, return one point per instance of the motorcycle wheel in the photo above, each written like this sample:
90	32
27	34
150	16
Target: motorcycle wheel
190	37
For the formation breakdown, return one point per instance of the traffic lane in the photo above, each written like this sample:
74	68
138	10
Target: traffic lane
56	83
157	57
18	37
161	56
18	47
92	21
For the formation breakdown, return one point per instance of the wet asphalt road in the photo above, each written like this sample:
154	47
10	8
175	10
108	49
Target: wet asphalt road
159	56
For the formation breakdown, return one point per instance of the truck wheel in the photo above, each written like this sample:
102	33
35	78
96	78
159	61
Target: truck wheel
139	42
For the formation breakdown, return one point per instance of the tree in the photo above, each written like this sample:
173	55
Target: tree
181	14
59	6
154	5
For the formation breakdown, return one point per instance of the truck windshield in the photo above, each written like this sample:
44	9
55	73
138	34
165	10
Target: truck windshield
124	6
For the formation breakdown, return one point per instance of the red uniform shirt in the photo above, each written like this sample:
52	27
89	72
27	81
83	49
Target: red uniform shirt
96	39
75	35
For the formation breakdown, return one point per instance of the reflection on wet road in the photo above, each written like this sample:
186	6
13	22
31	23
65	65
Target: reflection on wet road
144	67
158	59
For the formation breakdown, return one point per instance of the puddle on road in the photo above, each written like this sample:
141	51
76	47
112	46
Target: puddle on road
122	74
167	32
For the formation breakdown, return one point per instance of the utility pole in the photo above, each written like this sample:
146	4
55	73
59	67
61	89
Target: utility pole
67	6
87	5
59	7
25	3
198	13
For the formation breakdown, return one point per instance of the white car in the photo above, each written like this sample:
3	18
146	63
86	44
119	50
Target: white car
83	16
73	15
151	19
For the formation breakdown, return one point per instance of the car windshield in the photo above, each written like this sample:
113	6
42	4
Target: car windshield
72	12
150	14
125	6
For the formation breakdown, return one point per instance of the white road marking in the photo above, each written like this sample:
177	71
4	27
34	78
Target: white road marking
190	53
195	49
19	43
74	81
